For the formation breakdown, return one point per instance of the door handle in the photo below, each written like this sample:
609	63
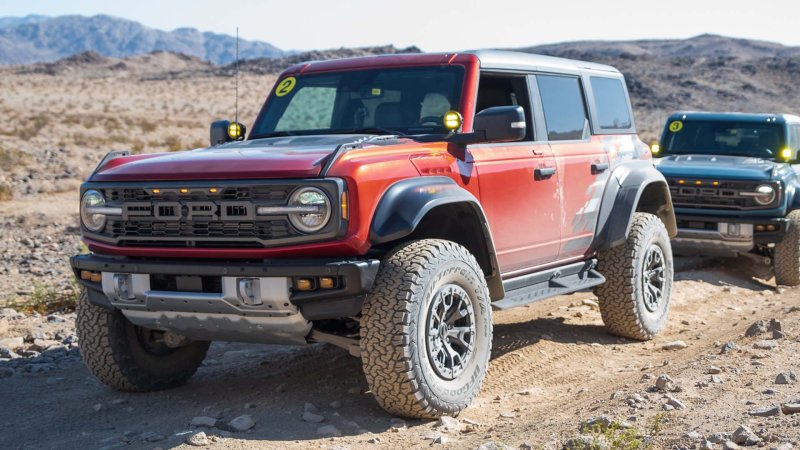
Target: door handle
599	168
544	173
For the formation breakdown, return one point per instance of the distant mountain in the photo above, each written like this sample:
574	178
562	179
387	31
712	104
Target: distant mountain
41	39
703	46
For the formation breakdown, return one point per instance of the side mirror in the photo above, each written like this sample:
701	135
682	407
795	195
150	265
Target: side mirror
501	124
223	131
496	124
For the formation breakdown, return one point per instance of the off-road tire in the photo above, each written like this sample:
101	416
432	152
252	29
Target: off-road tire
115	356
622	297
394	342
787	253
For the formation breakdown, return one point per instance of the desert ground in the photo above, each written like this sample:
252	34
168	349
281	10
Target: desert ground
722	375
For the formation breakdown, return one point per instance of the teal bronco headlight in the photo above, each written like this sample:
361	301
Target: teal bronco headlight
765	194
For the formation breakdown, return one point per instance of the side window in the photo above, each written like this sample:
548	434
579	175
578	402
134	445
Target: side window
504	90
564	107
613	112
311	108
796	134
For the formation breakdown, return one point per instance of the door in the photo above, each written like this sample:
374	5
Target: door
581	161
518	184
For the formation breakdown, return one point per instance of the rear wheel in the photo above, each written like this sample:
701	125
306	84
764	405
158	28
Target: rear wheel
787	253
131	358
634	300
426	330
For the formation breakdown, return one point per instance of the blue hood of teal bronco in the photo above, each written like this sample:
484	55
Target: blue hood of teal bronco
716	166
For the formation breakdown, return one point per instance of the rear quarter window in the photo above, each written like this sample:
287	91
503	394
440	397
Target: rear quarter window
611	104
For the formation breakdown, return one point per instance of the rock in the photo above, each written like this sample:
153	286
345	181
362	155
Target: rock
312	418
667	407
713	370
441	440
786	378
791	408
729	445
12	343
745	436
448	424
198	439
602	423
769	344
591	303
768	411
675	345
3	326
531	391
508	415
756	329
97	407
242	423
778	334
664	383
728	347
719	438
716	379
375	440
493	446
336	404
775	325
328	431
783	446
204	421
706	445
693	435
675	403
250	406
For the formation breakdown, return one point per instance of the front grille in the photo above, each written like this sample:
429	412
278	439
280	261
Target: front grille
222	217
713	194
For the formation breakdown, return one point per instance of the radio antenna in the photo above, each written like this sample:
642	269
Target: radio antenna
236	107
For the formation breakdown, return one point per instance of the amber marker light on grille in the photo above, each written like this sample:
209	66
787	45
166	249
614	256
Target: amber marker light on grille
698	182
184	191
86	275
715	183
345	207
681	181
760	227
96	277
452	120
213	190
156	191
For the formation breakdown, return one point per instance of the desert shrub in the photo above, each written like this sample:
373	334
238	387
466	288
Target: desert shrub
6	193
173	143
48	298
10	158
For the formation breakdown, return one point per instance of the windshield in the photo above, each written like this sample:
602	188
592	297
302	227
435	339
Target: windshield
761	140
377	101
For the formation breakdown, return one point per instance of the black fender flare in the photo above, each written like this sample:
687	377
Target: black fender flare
622	198
406	202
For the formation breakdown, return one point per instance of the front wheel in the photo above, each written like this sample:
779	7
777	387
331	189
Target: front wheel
131	358
787	253
634	300
426	330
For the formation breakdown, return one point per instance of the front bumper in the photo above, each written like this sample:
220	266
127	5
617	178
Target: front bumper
725	236
227	300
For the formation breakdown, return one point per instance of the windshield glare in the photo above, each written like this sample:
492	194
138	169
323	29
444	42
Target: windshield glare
376	101
761	140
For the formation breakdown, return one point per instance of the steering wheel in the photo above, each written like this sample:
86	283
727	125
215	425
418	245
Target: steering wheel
430	120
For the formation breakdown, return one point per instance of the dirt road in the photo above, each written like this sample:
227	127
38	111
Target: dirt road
553	367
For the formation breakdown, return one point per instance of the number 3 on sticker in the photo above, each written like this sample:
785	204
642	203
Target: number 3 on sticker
285	86
676	126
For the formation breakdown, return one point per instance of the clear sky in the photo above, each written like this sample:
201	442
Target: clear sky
436	25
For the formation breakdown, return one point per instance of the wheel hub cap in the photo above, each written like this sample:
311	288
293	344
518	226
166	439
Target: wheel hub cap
653	277
450	331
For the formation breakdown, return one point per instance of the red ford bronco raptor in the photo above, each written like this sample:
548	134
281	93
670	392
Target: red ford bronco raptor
385	205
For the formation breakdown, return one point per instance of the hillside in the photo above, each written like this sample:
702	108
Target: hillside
39	39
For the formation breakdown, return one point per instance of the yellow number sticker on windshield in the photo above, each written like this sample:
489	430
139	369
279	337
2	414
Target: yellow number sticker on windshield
285	86
676	126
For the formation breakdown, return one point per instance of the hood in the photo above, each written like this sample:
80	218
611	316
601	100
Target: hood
283	157
716	166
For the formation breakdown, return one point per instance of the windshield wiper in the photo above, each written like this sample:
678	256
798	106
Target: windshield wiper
369	130
274	134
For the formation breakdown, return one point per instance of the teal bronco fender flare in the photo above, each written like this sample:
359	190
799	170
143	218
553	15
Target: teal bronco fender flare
634	186
405	204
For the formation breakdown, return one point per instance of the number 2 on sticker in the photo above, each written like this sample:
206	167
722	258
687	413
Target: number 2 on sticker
285	86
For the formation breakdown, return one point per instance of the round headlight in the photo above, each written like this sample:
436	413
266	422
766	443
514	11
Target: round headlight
319	211
765	194
92	222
